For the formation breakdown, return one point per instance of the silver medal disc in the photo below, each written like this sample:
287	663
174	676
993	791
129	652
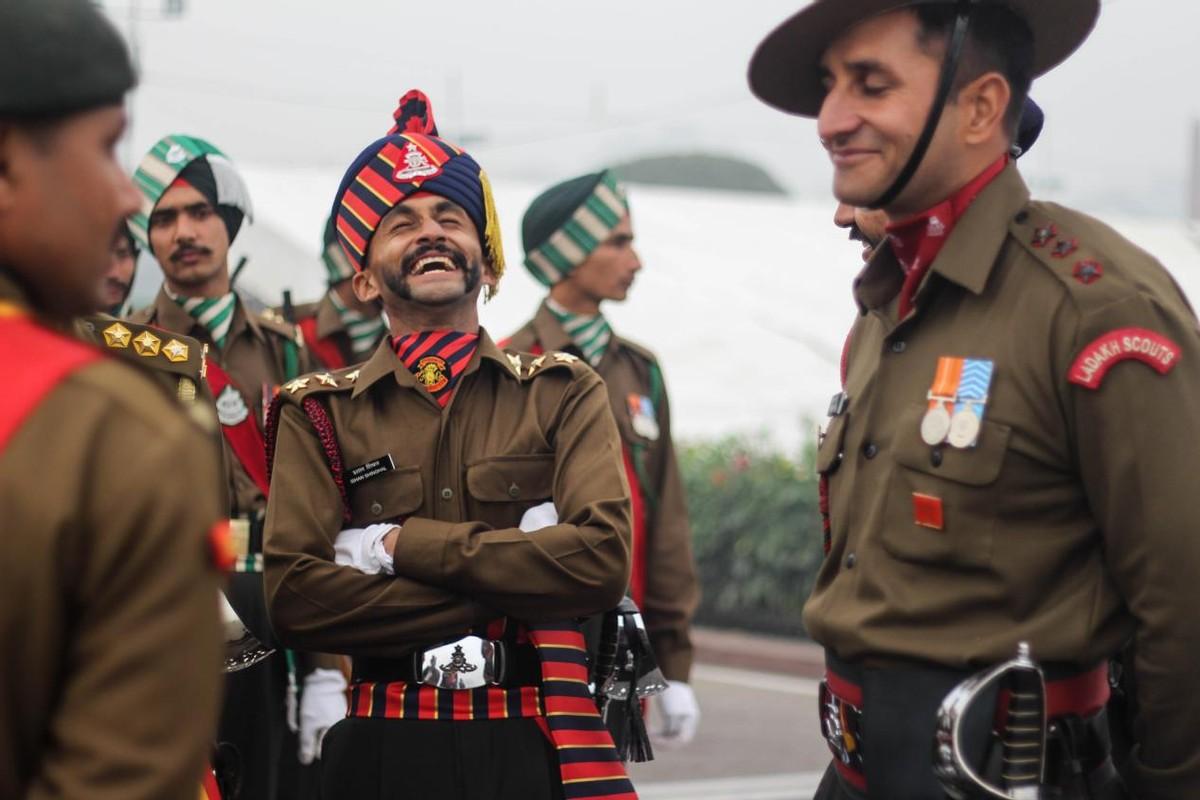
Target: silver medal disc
935	425
964	429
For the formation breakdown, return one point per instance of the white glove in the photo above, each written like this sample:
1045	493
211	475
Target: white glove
676	715
322	703
539	517
362	548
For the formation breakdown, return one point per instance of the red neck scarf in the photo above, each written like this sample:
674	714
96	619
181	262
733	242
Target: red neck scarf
437	358
917	240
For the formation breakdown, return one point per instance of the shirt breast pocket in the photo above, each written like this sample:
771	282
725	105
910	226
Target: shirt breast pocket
393	495
505	487
943	503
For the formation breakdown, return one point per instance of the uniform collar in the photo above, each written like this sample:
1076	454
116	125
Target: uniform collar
385	362
551	334
969	254
170	315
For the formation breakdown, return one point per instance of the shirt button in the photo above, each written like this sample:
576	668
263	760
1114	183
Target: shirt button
1021	217
851	560
870	450
935	456
377	508
899	346
514	491
447	493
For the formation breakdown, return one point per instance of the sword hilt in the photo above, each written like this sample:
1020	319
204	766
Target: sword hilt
1023	739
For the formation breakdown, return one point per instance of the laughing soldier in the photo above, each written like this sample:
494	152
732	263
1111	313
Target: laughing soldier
193	205
578	240
1012	458
108	628
470	682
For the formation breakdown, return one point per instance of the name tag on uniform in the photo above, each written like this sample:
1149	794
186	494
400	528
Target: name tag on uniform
369	470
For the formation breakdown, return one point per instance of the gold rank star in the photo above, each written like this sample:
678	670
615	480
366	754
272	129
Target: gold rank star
296	385
515	360
537	362
147	344
566	358
175	351
353	376
117	335
325	379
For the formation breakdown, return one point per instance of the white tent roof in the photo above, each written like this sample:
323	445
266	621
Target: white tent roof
745	298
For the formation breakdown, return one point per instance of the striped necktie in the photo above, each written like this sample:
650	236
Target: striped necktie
215	314
437	358
591	333
364	332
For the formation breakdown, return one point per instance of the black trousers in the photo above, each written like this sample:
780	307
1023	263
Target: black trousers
384	759
250	734
1102	785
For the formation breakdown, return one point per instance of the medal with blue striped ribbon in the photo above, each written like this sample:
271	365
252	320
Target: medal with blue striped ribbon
971	402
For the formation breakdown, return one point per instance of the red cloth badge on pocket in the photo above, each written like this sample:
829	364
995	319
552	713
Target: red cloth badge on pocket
927	511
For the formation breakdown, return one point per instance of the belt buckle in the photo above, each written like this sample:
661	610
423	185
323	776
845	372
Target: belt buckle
471	662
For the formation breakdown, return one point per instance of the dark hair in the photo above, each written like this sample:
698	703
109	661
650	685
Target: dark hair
998	41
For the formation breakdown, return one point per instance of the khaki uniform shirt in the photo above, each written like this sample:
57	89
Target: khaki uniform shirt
671	586
254	357
517	433
108	616
1072	523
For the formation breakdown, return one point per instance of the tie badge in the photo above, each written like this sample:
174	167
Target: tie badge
642	416
957	401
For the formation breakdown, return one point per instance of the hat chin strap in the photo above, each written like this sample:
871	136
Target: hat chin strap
945	83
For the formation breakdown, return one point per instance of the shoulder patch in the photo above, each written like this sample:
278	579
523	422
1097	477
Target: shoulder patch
1123	344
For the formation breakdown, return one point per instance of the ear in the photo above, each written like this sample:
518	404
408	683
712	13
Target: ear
984	102
365	288
7	188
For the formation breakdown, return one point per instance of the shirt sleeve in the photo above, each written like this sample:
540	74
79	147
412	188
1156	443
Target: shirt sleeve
672	587
575	568
139	699
316	604
1133	390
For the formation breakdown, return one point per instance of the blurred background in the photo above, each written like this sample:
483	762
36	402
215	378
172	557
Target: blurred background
745	280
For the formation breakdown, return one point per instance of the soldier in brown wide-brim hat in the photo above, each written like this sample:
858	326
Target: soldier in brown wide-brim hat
1004	463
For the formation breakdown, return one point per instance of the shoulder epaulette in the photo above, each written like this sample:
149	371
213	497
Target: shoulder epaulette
554	360
148	346
337	380
638	349
275	323
1051	235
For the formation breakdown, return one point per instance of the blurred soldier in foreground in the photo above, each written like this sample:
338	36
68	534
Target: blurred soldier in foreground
470	677
1010	459
578	239
193	205
338	329
111	645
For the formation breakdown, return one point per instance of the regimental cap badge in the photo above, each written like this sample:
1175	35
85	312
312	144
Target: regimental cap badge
147	344
936	227
117	335
415	165
176	351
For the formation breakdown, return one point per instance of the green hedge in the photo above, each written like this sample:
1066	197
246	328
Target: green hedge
756	532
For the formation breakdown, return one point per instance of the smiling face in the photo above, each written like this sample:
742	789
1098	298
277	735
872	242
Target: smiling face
191	242
426	252
880	83
62	194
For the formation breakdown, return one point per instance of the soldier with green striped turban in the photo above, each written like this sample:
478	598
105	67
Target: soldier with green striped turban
578	238
193	205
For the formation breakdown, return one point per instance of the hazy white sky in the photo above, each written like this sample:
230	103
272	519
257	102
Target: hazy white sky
542	89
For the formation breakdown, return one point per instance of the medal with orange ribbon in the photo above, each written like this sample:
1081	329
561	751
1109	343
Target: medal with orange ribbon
935	426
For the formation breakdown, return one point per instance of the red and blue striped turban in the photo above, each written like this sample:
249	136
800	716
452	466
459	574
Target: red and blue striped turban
412	158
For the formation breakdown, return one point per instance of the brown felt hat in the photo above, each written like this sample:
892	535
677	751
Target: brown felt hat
784	71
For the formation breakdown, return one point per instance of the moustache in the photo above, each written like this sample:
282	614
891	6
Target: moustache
857	235
187	250
456	258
